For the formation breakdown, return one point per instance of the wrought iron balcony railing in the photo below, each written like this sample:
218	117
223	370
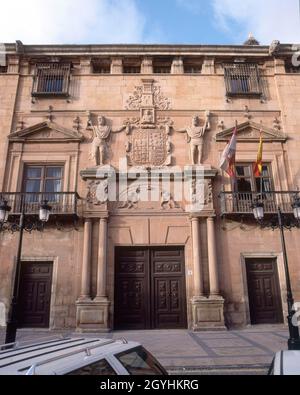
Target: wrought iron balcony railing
62	203
240	203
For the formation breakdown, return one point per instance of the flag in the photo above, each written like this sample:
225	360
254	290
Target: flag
258	166
227	162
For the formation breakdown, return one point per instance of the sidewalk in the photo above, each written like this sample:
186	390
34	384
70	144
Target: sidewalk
187	352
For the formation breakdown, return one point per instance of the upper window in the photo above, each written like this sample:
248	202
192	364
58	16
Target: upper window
247	182
162	66
101	66
242	79
52	79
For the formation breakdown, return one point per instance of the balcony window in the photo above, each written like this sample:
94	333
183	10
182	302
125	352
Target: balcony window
247	182
43	179
52	79
242	79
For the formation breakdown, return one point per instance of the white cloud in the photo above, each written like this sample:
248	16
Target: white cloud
71	21
267	19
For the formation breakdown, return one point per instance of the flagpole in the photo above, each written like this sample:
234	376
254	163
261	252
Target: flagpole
261	174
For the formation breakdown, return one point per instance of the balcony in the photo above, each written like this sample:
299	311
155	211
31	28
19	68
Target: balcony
240	203
62	203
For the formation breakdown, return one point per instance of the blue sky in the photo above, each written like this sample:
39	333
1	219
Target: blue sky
149	21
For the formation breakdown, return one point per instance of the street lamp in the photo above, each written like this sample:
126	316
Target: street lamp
44	214
258	211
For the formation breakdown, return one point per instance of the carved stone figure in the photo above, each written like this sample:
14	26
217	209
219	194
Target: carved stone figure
132	200
167	201
148	117
101	134
195	135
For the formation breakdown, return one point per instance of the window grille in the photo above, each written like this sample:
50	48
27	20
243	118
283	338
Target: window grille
52	79
242	79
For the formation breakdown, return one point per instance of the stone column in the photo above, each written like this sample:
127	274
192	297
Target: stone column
86	263
102	256
212	258
198	276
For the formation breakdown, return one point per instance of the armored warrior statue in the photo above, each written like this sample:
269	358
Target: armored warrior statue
195	135
101	134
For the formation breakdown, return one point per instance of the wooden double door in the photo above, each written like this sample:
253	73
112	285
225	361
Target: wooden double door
150	291
264	291
35	294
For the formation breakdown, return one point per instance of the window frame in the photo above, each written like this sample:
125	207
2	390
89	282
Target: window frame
253	178
234	72
43	177
46	73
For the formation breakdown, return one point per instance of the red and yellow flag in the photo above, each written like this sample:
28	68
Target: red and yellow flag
258	167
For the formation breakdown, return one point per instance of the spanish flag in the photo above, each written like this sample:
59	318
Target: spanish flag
258	166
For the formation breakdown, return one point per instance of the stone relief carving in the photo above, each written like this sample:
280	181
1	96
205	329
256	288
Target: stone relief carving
101	134
132	200
97	193
195	137
167	201
202	193
149	145
148	95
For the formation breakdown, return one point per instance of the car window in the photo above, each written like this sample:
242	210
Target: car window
100	368
139	362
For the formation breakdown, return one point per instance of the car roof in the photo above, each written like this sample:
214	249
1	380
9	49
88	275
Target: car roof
58	356
288	363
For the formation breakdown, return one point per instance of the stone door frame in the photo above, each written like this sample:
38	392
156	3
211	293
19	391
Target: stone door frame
282	281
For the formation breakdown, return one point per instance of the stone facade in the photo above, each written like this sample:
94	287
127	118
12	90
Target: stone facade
137	118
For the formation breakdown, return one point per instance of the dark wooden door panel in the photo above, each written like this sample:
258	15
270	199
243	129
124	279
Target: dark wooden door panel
150	288
264	292
35	295
132	289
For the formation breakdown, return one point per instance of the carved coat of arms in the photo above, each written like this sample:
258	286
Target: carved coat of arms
149	141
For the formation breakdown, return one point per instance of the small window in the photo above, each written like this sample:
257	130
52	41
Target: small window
131	69
101	66
242	79
52	79
100	368
192	69
162	66
139	362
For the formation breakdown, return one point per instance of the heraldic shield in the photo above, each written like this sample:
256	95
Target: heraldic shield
149	147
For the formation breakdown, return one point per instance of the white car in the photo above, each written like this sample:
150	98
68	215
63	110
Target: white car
286	363
78	356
